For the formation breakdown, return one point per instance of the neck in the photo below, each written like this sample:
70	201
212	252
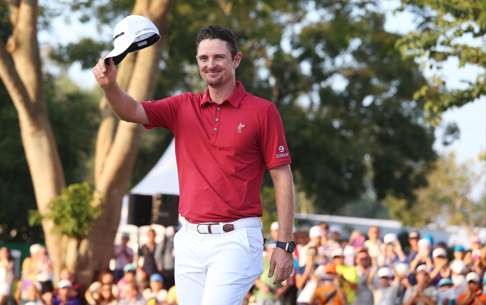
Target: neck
222	93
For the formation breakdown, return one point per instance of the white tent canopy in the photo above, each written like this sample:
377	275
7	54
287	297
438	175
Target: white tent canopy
162	178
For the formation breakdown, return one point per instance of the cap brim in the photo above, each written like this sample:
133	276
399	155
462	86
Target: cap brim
139	44
120	51
117	54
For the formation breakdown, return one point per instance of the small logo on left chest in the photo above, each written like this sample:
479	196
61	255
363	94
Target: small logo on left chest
239	128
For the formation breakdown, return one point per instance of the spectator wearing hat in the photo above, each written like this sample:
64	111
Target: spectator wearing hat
458	276
459	252
423	255
441	266
128	277
75	289
384	288
445	292
421	293
391	252
37	265
308	256
374	244
473	294
413	238
123	255
64	295
402	272
329	287
156	293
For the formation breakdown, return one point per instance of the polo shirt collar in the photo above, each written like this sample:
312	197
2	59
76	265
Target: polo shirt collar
234	100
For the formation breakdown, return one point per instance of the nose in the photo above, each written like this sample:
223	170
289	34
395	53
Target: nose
211	63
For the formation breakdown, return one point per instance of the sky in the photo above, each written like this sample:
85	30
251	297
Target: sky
471	118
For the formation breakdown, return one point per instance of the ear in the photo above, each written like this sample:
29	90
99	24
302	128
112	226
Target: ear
237	59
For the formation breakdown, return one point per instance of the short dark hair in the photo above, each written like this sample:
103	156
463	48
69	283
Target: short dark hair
219	32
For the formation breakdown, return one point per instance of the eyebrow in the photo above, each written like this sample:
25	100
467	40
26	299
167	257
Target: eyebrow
214	55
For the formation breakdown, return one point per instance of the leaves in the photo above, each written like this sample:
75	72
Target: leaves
75	210
445	200
448	30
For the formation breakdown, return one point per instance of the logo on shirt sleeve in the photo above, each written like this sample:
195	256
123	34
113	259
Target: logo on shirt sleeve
282	153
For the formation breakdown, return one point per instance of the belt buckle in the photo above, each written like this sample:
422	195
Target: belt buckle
208	226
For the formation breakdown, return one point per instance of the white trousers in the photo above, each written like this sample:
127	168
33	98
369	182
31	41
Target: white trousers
217	269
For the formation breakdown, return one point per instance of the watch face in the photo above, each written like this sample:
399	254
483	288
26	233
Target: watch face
291	247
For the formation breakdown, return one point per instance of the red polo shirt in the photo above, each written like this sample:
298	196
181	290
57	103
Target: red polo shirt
222	151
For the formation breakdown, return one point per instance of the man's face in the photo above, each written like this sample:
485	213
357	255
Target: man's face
373	233
216	64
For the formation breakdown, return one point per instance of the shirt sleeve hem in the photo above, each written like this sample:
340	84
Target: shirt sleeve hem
278	164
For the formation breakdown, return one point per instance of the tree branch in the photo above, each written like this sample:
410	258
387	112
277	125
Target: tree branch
14	85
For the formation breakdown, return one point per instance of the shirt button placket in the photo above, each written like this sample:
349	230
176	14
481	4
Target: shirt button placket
216	119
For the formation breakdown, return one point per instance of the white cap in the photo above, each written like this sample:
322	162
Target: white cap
35	248
472	277
439	252
389	238
349	251
422	267
131	34
274	226
458	267
402	269
424	243
315	231
64	284
337	252
385	272
336	229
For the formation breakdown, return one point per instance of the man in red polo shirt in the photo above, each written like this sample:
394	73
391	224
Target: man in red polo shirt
225	139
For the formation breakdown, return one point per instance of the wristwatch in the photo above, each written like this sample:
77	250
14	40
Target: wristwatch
287	246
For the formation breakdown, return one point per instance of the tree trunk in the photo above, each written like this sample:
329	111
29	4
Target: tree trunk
20	71
118	143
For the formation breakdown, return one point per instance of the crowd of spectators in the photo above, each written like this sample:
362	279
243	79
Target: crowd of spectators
373	269
362	269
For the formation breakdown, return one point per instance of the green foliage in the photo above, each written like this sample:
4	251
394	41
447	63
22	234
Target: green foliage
16	194
85	51
445	199
447	29
332	132
74	116
74	211
342	87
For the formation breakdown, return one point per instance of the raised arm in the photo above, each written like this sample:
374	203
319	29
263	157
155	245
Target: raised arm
123	105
